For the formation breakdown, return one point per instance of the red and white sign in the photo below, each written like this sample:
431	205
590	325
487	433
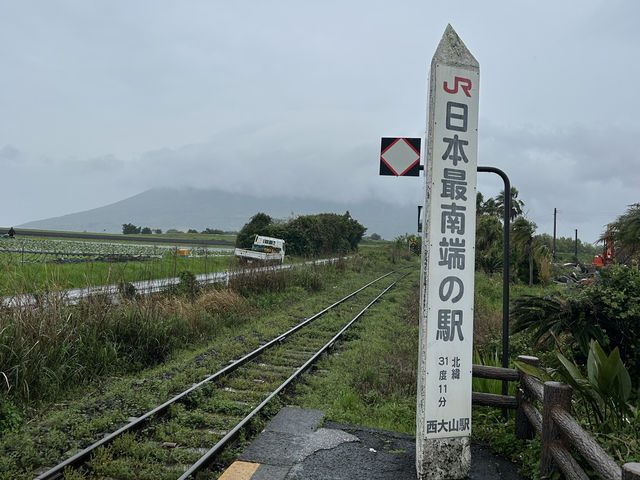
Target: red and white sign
400	157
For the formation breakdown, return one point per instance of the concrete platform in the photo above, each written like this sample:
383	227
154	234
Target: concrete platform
297	445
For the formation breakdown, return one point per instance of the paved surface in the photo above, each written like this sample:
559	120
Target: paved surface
296	445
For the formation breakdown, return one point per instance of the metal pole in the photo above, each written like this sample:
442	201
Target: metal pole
555	215
505	268
576	245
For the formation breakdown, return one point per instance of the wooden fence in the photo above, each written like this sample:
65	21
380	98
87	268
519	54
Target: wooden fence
558	430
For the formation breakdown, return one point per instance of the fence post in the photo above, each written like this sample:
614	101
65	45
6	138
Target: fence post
523	428
631	471
556	395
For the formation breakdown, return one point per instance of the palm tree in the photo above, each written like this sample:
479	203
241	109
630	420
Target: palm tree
489	235
543	257
522	235
487	207
516	207
624	234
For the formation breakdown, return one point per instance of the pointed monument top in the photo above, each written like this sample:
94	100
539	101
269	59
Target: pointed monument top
452	51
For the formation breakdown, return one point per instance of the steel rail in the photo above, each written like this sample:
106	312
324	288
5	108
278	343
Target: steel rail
81	457
206	458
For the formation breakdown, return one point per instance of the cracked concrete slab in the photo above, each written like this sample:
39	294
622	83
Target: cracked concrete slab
296	421
295	447
325	439
292	436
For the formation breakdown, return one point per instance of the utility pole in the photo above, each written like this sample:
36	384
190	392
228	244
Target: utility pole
555	216
576	244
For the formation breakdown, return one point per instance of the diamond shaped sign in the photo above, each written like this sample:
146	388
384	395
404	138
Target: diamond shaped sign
400	157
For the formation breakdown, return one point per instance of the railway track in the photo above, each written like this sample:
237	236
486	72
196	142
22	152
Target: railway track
183	436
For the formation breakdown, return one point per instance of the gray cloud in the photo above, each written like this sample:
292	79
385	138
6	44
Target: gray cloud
102	100
9	155
589	175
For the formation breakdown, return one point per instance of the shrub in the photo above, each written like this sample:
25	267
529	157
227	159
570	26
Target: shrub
10	416
219	302
608	310
188	285
256	226
309	235
130	228
614	302
127	290
606	389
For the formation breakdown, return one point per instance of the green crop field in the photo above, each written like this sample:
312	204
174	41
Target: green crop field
31	264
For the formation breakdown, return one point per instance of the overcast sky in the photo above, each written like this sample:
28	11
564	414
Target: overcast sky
101	100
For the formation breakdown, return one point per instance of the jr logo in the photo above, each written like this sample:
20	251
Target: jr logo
464	83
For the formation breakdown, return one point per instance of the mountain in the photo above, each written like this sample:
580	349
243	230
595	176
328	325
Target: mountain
193	208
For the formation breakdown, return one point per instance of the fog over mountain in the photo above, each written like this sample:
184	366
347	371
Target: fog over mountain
103	100
201	208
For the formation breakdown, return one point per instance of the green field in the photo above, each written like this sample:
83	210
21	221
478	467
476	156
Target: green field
32	264
168	238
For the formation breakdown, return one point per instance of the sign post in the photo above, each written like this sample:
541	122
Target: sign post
448	261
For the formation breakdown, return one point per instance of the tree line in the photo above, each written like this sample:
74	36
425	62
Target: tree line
131	229
531	254
309	235
527	250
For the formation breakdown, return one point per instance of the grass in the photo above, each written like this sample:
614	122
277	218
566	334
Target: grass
17	278
487	321
28	273
47	348
371	379
78	372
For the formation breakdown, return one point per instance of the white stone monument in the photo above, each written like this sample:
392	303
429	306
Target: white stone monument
448	259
